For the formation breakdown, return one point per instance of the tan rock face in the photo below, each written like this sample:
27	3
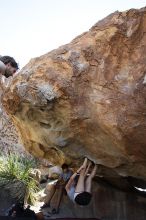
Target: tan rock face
87	98
9	140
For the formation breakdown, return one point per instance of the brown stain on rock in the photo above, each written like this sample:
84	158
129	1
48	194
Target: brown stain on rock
87	98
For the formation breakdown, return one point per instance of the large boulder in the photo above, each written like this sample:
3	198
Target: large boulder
88	98
9	139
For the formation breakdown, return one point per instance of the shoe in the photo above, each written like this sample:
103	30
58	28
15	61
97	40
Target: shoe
43	181
45	205
54	211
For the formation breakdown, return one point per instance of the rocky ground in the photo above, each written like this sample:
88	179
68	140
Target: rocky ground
108	203
67	208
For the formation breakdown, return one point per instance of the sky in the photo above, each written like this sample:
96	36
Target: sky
31	28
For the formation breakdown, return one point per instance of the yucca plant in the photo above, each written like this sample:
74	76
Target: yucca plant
15	173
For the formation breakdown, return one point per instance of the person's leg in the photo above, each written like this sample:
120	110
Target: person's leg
80	187
49	196
55	207
89	180
87	170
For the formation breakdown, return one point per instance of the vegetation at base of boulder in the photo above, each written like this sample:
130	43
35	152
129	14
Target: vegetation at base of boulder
15	175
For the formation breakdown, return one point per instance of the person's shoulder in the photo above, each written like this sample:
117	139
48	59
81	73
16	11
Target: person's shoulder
2	67
1	63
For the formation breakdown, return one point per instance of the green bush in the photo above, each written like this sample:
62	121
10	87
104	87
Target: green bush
15	172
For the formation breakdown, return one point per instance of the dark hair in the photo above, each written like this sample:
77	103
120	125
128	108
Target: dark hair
64	166
83	198
8	59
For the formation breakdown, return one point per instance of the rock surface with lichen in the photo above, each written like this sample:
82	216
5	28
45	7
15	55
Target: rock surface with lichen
87	98
9	139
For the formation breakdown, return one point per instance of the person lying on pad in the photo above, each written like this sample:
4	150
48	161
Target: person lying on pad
79	191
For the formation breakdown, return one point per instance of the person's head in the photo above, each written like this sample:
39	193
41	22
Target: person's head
83	198
54	172
65	167
11	65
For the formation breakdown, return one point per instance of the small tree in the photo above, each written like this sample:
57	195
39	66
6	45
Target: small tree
15	174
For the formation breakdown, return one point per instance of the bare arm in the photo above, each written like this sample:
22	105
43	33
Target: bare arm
71	180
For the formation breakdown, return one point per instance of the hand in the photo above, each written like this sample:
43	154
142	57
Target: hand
84	165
